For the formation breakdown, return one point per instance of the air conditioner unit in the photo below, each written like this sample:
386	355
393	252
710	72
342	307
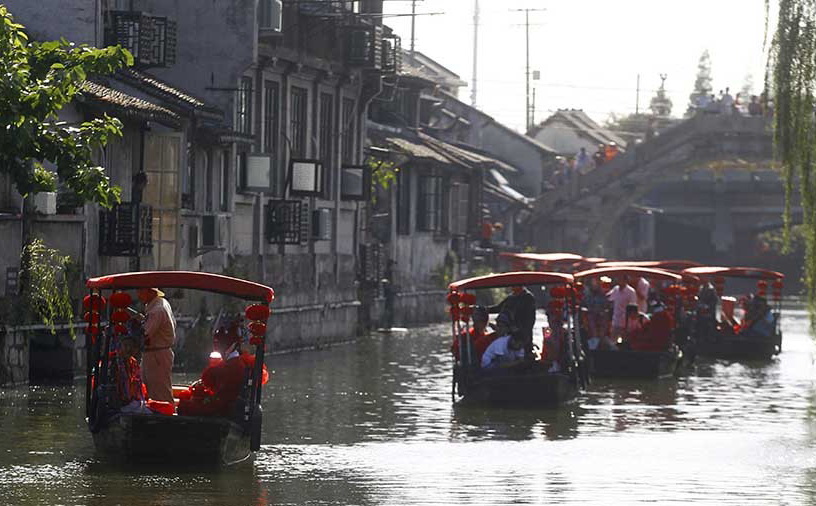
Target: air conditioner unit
270	17
321	224
46	202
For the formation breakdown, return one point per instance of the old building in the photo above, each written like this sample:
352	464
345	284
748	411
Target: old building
246	146
569	130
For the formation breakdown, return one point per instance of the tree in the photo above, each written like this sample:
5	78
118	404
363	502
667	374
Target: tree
792	79
38	79
702	83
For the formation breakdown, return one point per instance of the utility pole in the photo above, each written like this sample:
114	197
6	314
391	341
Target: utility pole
637	95
474	81
527	111
413	27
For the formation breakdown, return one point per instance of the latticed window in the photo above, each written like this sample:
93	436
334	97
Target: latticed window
243	119
429	203
349	130
326	138
300	97
403	203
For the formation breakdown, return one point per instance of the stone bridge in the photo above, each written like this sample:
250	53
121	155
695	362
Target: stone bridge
714	171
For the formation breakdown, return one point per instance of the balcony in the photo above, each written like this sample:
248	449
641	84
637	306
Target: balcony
151	39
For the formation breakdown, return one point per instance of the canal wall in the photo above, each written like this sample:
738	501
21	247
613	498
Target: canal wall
33	354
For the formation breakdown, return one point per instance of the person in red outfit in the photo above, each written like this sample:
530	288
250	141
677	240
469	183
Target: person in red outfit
480	339
221	382
656	333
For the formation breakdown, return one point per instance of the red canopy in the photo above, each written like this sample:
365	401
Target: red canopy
643	272
184	279
511	279
735	272
671	265
544	257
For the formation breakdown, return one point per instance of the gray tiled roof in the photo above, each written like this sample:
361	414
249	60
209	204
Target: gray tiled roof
125	104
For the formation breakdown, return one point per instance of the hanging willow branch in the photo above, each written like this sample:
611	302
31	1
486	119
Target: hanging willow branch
792	76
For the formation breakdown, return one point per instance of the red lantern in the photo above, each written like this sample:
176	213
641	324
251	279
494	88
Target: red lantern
120	329
778	284
558	291
256	340
120	299
257	328
95	302
119	316
91	317
257	312
92	330
469	298
453	298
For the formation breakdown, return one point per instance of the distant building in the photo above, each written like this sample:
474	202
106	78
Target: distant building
569	130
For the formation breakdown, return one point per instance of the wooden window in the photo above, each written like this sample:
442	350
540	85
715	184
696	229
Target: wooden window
459	207
326	144
403	203
270	120
298	124
349	130
162	157
429	204
225	188
243	120
209	184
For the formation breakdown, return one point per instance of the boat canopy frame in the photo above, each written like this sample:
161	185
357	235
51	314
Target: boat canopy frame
518	278
735	272
203	281
645	272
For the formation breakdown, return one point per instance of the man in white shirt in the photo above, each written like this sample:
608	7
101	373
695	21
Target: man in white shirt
160	335
505	350
642	292
620	296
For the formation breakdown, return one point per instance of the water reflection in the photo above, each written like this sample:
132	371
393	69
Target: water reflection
373	423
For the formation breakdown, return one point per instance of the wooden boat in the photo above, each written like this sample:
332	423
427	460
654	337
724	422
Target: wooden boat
718	334
145	436
530	383
634	363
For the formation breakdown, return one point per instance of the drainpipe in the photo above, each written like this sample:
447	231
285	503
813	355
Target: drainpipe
258	242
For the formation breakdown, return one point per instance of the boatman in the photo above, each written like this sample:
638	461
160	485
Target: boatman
160	335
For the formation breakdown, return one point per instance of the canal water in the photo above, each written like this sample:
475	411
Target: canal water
372	423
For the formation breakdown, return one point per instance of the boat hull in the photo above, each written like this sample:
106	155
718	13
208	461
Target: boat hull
736	347
634	364
166	439
529	388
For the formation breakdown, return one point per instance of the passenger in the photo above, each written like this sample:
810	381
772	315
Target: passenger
611	152
520	306
160	335
759	320
479	336
132	391
506	350
620	296
600	156
595	302
642	292
220	385
635	321
656	334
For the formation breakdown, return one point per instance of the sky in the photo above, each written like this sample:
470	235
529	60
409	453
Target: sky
589	52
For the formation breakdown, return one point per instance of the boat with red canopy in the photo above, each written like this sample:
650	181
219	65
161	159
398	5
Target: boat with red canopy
669	265
550	378
158	433
734	318
649	350
543	262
